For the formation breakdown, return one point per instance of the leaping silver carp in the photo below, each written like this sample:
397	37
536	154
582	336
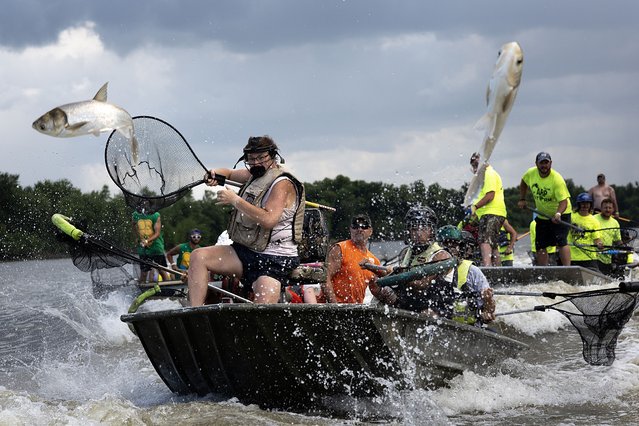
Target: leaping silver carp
88	117
500	97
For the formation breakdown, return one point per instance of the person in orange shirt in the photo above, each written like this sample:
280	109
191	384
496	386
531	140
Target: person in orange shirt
346	280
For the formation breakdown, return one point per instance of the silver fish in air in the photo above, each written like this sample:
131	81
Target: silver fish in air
88	117
500	97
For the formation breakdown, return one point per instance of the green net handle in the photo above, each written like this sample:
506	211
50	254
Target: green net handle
417	273
62	222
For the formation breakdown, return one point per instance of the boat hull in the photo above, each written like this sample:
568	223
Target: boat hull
296	356
504	276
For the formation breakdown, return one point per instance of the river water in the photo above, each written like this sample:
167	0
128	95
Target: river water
66	358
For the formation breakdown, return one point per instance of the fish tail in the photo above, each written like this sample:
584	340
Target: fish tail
486	124
135	149
476	183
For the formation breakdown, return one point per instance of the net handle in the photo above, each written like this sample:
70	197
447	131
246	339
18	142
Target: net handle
570	225
62	223
417	273
623	287
220	178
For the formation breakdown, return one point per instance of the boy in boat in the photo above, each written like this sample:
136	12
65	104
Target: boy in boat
474	303
184	250
552	200
265	226
433	294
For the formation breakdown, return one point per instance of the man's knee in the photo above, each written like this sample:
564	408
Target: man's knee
267	290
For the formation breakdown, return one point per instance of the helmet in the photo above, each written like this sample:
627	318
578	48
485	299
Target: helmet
467	238
448	233
420	215
584	197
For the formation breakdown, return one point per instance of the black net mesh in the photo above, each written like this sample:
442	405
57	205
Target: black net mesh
601	319
165	170
107	280
93	252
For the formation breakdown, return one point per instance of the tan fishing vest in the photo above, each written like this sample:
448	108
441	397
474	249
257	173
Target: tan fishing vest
246	231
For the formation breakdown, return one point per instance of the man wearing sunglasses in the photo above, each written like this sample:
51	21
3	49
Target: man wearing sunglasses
266	223
346	280
183	251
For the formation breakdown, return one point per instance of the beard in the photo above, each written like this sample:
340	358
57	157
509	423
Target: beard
257	171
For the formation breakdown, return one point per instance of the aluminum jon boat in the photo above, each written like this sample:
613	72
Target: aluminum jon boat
504	276
296	356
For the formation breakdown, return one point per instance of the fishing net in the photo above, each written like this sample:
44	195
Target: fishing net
602	315
93	252
165	170
106	280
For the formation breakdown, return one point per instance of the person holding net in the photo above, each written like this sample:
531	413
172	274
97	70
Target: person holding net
265	226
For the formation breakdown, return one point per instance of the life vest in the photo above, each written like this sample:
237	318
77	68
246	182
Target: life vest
465	309
351	280
246	231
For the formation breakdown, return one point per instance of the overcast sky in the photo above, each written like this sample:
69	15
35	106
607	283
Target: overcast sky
375	90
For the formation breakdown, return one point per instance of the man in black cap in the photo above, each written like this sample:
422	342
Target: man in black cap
265	226
552	202
346	280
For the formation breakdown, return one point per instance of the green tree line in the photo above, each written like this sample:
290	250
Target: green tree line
26	231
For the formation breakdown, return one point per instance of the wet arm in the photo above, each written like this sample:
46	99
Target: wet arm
523	189
169	254
513	235
613	197
239	175
333	265
485	199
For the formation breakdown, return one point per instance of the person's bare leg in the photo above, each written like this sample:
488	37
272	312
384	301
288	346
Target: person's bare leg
496	257
542	257
218	259
143	276
267	290
309	295
486	253
564	255
165	275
